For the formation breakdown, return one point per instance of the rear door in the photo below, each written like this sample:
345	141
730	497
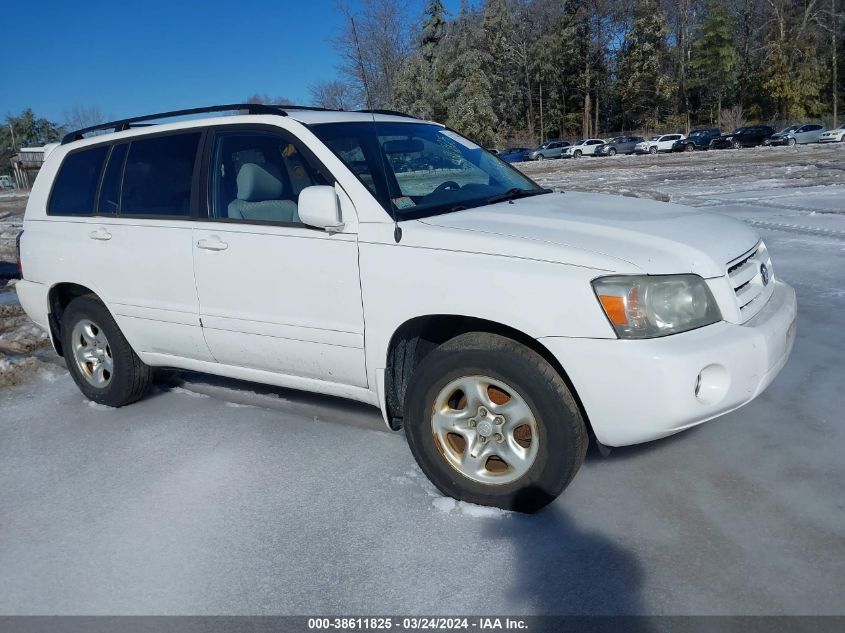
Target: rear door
276	295
120	225
144	240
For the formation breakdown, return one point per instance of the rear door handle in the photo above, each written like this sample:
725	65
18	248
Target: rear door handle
212	245
100	234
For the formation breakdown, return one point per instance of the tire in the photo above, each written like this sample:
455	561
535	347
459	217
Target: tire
689	147
578	153
540	157
791	142
652	150
554	445
736	145
92	341
611	151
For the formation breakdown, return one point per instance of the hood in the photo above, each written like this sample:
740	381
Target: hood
622	234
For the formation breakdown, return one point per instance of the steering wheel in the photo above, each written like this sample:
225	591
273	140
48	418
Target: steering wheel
449	185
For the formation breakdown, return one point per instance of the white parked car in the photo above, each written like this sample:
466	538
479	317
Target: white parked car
584	147
836	135
658	143
495	321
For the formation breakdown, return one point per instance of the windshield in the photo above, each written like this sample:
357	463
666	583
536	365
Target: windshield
420	169
789	129
739	129
655	138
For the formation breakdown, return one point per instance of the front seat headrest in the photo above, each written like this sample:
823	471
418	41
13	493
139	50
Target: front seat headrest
259	182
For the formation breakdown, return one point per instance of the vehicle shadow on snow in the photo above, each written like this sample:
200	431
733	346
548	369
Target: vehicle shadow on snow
561	569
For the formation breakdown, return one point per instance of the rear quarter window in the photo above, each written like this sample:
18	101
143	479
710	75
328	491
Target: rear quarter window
75	188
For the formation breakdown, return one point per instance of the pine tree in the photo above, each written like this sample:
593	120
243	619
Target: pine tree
419	85
468	95
714	57
645	89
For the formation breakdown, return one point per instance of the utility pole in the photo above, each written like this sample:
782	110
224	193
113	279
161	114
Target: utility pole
542	130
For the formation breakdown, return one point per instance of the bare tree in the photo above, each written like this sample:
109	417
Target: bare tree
732	118
373	44
79	116
334	95
268	100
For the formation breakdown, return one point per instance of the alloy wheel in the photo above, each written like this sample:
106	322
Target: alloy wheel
485	430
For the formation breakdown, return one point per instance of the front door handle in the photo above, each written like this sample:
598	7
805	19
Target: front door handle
100	234
212	245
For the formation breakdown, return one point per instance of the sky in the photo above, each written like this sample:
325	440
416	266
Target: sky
130	58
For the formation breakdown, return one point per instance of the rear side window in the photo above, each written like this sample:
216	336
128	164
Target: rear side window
75	188
158	175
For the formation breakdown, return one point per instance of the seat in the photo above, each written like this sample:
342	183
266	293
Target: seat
260	190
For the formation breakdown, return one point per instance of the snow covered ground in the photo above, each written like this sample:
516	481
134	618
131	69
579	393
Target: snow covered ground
215	496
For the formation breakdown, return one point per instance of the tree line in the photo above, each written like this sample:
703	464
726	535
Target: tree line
503	71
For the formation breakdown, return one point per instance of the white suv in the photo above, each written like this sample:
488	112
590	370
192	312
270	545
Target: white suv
660	143
389	260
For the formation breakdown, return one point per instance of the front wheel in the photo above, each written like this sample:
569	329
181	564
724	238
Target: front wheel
611	151
540	157
491	422
578	153
689	147
652	150
791	142
98	356
736	145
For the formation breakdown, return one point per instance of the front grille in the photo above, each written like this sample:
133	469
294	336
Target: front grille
745	275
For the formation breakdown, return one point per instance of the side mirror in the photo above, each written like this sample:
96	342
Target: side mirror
319	207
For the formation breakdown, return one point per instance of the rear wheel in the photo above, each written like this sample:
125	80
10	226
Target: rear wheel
489	421
98	356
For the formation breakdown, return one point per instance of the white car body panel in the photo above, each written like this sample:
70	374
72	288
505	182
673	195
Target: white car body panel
302	308
836	135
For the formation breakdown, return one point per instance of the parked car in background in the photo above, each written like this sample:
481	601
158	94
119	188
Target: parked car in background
549	149
493	150
6	182
619	145
585	147
697	139
515	154
801	133
748	136
836	135
658	143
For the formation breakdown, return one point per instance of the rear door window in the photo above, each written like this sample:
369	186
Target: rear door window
75	187
158	175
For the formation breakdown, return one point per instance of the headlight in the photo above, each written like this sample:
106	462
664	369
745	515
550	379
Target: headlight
648	306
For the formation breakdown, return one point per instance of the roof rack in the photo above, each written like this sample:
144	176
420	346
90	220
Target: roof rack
125	124
388	112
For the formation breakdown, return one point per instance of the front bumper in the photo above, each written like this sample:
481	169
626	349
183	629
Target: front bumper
634	391
776	141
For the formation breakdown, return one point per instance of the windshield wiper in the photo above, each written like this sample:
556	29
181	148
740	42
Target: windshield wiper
513	194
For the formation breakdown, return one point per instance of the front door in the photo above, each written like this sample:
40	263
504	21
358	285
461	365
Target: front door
275	294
